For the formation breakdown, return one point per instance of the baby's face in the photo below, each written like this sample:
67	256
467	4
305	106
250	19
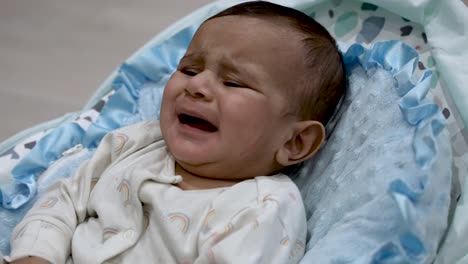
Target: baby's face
225	110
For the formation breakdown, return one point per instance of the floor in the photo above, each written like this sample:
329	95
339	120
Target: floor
55	53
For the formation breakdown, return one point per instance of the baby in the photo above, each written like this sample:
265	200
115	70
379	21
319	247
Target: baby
204	185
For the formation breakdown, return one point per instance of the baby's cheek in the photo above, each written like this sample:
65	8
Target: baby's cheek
248	116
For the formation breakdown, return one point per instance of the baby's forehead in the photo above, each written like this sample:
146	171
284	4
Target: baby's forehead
252	35
278	25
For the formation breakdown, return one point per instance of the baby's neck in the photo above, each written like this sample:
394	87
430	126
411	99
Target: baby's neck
194	182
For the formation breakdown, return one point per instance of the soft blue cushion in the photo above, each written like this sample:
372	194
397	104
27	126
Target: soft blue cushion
379	190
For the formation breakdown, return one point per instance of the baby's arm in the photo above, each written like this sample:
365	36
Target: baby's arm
31	260
47	229
271	231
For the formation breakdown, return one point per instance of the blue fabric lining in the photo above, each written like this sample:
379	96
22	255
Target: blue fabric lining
379	190
47	151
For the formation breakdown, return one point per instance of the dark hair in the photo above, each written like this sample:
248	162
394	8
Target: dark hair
326	83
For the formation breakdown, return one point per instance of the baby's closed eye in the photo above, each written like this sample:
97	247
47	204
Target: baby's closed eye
189	71
233	84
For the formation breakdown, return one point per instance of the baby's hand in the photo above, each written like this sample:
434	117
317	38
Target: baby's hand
30	260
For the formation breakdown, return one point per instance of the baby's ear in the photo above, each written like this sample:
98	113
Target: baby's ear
304	142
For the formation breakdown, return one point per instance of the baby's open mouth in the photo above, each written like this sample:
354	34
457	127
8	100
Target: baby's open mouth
197	123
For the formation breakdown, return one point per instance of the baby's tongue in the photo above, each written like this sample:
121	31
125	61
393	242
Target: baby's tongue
205	126
198	123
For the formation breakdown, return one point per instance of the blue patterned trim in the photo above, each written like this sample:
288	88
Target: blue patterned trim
400	60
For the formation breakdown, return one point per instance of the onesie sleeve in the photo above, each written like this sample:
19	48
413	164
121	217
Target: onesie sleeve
271	230
47	229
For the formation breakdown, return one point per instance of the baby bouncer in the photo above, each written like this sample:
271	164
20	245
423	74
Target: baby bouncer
389	184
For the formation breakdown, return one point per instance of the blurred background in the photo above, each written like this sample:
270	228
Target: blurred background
55	53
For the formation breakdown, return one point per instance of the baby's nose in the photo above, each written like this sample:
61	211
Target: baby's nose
201	86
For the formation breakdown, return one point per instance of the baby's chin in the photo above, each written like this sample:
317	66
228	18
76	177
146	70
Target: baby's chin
191	161
191	154
219	171
208	160
199	167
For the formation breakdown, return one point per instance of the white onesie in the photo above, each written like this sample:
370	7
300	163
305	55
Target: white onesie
122	207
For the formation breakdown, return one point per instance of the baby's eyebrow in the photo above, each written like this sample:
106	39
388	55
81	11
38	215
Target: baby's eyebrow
232	64
193	56
245	69
226	64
